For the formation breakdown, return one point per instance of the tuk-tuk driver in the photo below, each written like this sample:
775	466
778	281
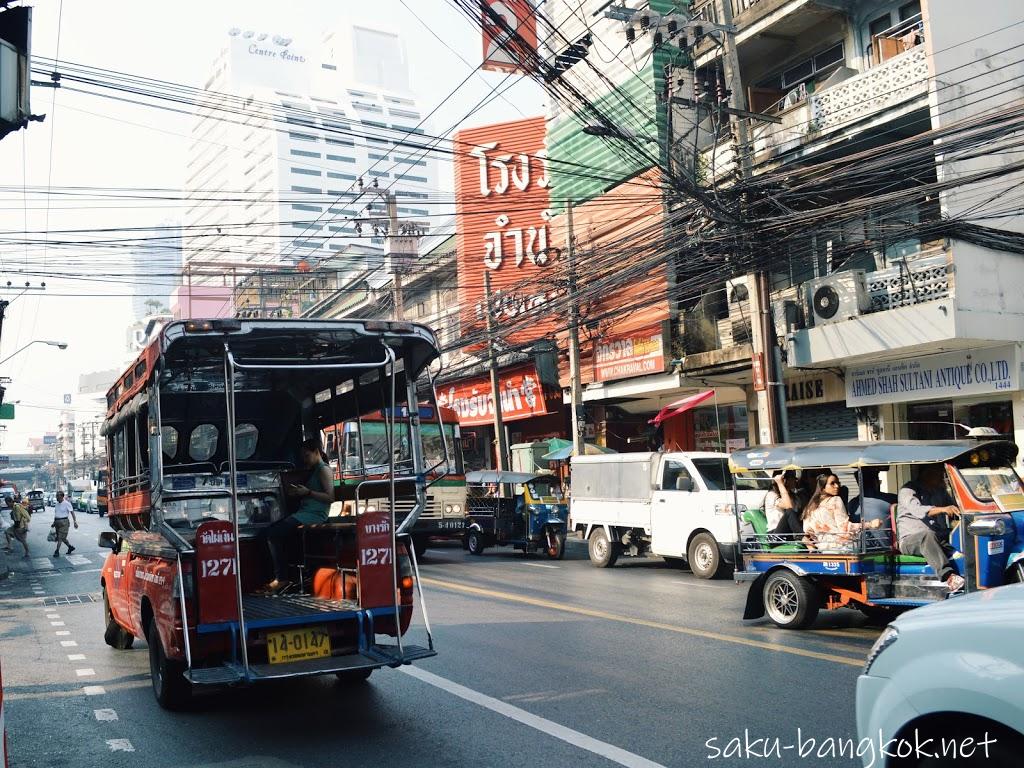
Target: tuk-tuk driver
921	526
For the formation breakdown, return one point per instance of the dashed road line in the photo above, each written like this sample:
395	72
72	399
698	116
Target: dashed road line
86	672
94	690
541	565
68	644
57	624
76	657
120	745
62	632
105	715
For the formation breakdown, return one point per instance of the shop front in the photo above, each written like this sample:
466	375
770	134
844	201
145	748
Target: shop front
816	408
530	411
942	396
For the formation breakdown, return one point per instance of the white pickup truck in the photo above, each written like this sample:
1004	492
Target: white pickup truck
677	505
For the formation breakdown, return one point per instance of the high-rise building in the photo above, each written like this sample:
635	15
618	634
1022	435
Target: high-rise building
156	267
277	162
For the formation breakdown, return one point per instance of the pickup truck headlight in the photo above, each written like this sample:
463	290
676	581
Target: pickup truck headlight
730	509
887	638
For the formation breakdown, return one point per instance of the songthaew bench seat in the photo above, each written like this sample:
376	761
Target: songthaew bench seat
759	522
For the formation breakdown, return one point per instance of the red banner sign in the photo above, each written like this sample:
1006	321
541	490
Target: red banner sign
623	357
521	397
511	43
376	560
215	572
503	229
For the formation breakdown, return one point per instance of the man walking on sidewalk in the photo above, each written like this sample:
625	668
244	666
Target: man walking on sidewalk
60	522
19	525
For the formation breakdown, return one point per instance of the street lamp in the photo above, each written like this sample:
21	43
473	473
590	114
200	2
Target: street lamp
57	344
594	129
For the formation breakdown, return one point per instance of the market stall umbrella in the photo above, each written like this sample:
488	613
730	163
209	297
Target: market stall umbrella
563	453
681	406
557	444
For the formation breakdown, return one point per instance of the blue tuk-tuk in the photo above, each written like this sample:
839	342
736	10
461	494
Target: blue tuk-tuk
791	580
523	510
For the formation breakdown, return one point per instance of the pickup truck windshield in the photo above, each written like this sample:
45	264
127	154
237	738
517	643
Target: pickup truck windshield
717	477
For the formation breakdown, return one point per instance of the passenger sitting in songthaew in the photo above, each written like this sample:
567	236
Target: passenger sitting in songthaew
827	526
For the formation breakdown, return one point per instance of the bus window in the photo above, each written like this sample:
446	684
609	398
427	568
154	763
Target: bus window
202	443
170	442
246	437
433	447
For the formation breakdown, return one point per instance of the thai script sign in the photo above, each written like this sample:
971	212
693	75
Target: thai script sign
952	374
215	572
520	390
503	226
376	562
625	356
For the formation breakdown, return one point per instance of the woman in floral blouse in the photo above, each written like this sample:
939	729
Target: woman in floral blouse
827	526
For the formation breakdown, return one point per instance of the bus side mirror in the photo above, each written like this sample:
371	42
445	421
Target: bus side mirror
108	540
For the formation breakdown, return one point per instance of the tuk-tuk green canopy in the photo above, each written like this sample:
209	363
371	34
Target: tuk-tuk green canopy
854	453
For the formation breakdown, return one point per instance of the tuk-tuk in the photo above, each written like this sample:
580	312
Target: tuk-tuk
515	509
791	582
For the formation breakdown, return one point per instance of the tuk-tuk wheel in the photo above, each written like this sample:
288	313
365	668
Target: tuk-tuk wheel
557	552
791	601
475	543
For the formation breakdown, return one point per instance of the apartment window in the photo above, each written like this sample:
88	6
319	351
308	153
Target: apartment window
341	142
328	66
399	100
410	161
375	123
407	130
816	65
379	174
305	153
336	175
408	193
375	156
307	190
415	178
363	107
341	158
403	113
306	171
301	136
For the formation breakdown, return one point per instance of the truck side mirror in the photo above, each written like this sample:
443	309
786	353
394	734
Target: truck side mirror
109	540
684	483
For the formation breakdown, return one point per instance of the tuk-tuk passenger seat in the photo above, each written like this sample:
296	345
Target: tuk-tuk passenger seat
759	522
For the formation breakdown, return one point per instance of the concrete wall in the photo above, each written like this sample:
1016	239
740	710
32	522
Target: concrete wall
976	71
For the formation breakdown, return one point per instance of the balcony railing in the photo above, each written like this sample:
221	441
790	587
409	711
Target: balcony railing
900	79
925	278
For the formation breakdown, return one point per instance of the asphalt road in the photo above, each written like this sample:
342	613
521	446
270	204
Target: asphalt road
540	663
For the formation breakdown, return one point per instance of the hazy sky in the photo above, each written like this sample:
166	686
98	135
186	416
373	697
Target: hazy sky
100	143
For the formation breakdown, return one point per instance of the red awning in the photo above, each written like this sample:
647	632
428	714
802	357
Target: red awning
681	406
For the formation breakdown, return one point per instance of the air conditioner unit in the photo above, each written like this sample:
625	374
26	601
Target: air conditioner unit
737	296
837	297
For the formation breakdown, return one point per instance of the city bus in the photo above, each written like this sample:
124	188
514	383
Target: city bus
203	435
363	452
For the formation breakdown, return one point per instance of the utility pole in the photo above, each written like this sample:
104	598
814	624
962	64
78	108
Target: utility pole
492	359
575	386
771	395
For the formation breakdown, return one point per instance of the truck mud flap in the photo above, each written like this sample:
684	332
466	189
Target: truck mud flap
755	598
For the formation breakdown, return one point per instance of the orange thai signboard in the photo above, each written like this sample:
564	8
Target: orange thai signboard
503	229
636	354
521	397
509	46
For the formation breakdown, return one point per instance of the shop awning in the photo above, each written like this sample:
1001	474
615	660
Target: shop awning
681	406
564	452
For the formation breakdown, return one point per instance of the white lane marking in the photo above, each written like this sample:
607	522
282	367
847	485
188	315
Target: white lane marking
57	624
692	584
62	632
105	715
541	565
43	564
79	560
89	570
87	672
68	644
120	745
76	657
561	732
94	690
53	615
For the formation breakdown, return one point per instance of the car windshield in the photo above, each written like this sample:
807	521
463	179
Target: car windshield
717	477
545	487
990	483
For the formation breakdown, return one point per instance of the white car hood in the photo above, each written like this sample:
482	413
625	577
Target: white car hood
998	604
